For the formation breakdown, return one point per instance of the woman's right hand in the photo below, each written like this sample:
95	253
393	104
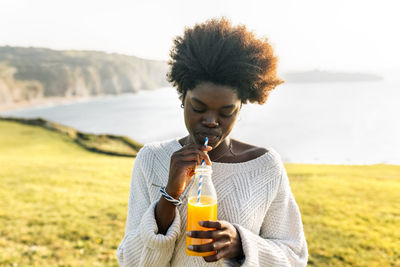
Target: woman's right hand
182	165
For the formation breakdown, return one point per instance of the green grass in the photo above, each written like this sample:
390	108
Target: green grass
351	214
61	205
100	143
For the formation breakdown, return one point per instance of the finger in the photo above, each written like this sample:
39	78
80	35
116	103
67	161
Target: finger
190	147
217	256
191	173
206	158
206	148
212	234
202	155
192	158
219	225
212	246
199	148
188	166
191	151
196	146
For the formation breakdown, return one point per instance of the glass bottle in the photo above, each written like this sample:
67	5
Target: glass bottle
202	206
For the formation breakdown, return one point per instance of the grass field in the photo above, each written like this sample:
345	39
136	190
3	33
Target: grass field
61	205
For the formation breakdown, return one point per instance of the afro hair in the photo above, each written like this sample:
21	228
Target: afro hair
217	52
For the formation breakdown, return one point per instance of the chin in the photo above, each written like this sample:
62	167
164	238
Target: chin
215	143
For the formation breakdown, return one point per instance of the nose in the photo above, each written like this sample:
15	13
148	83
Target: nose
210	121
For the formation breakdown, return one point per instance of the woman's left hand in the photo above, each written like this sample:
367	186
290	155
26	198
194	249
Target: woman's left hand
226	242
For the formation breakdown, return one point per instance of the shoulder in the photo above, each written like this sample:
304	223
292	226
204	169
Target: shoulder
247	151
258	157
159	149
154	157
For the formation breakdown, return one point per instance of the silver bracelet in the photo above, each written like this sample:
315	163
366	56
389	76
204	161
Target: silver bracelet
176	202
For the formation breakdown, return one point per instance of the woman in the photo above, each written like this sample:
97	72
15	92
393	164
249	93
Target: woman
216	68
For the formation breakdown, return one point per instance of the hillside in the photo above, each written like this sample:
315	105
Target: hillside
62	205
100	143
33	74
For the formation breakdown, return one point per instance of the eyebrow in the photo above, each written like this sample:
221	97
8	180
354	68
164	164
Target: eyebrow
202	103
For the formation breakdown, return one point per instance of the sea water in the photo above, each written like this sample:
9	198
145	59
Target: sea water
337	123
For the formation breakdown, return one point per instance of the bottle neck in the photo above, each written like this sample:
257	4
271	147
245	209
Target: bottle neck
205	177
203	183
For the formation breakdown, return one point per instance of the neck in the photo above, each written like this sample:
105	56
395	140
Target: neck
221	150
217	152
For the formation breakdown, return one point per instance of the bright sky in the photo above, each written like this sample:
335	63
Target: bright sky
307	34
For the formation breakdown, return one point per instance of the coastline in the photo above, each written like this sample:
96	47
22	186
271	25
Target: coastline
58	100
333	136
116	145
55	100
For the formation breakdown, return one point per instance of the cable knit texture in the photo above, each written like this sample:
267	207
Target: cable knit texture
254	196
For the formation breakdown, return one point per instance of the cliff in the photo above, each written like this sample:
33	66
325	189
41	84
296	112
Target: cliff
31	74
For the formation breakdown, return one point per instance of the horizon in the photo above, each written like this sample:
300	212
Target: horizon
381	71
331	36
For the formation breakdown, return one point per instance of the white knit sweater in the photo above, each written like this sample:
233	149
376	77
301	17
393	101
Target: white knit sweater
254	196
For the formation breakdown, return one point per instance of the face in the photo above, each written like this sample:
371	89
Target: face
211	110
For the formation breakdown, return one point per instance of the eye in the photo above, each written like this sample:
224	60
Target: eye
226	116
197	110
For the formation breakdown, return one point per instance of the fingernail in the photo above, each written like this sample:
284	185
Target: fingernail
189	233
190	247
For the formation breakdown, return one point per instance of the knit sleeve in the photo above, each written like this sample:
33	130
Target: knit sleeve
142	245
281	241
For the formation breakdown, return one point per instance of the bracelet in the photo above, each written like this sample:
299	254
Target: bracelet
176	202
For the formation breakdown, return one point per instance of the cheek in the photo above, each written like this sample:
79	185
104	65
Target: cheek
187	121
228	125
190	119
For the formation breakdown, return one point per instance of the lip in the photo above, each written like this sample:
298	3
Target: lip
212	138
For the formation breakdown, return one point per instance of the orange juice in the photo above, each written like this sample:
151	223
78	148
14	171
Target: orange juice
206	210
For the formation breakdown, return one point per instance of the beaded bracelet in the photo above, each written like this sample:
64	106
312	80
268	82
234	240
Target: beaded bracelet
176	202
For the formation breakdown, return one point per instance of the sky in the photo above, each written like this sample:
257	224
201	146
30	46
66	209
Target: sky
349	35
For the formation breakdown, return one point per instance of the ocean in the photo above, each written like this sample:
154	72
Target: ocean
333	123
